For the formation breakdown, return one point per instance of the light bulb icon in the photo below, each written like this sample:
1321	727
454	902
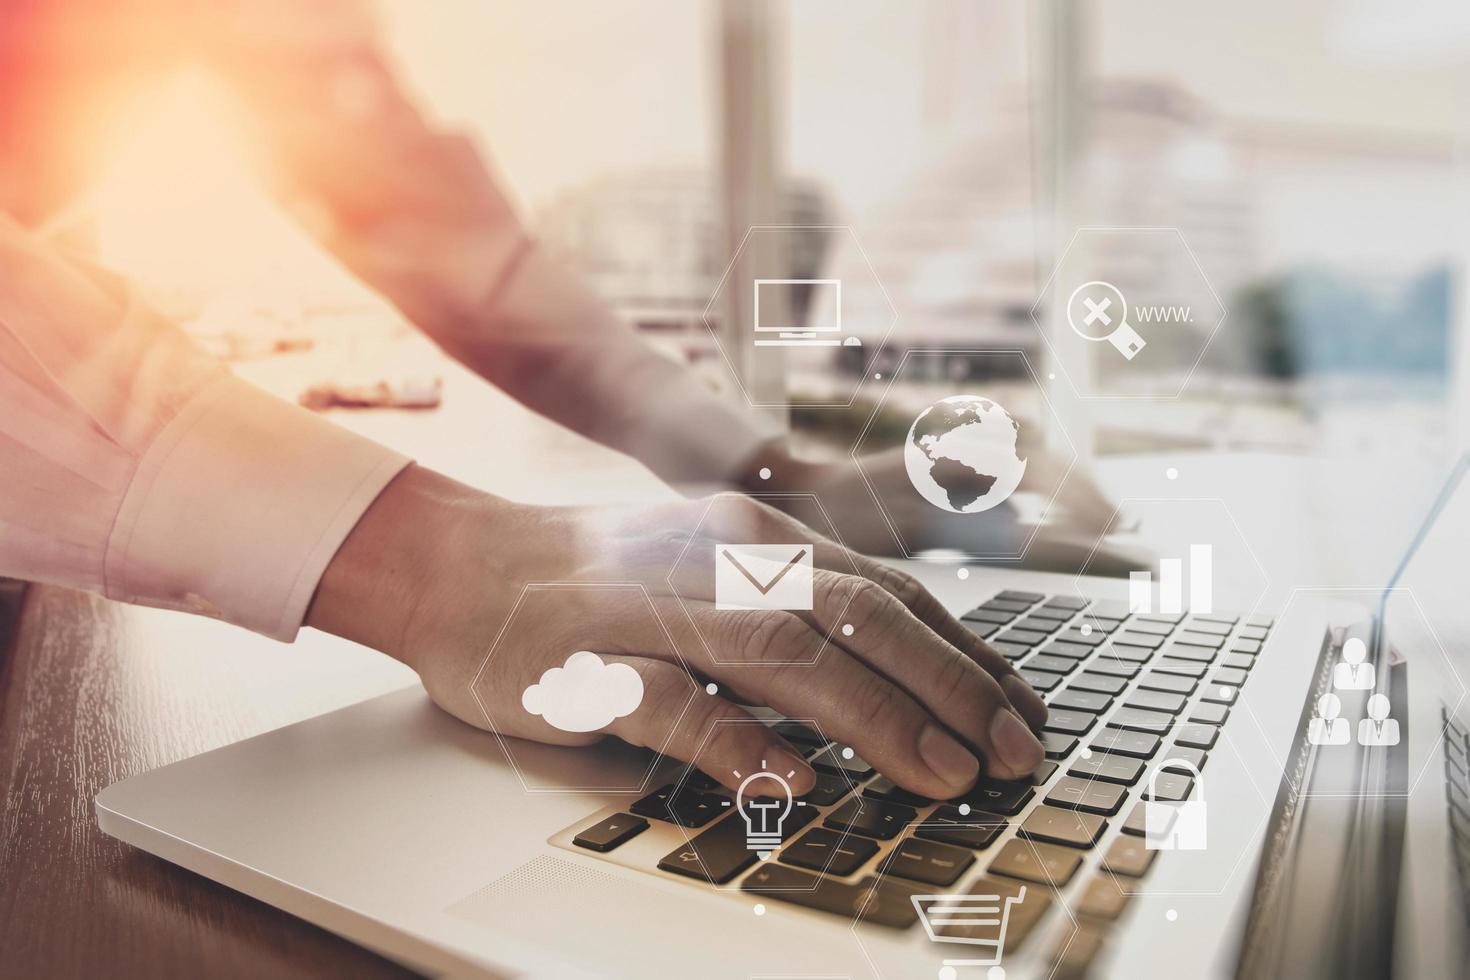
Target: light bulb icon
764	812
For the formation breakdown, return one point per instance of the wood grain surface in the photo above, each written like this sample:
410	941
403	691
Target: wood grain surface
91	692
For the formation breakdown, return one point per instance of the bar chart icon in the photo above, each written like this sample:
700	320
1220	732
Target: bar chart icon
1171	584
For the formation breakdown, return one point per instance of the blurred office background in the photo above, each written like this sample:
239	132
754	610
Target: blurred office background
1312	154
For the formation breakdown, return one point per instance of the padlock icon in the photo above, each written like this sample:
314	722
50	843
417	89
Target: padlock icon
1175	826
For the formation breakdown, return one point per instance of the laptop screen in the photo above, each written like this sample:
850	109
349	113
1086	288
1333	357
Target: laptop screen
1425	613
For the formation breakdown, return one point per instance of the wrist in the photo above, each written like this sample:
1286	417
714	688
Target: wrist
383	579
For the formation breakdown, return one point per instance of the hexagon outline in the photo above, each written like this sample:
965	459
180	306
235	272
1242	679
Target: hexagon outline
1375	591
692	765
720	285
880	875
1120	882
878	498
694	533
657	754
1046	286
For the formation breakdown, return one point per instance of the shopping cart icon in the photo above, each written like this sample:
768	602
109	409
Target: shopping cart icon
977	920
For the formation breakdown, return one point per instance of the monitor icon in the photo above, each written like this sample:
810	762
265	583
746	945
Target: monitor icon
775	327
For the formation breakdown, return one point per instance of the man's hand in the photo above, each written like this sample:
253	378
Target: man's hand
432	571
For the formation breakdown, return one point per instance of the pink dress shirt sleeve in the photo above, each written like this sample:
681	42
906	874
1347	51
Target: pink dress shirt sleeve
134	465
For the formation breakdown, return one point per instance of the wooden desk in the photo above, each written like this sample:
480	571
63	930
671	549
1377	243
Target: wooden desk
87	698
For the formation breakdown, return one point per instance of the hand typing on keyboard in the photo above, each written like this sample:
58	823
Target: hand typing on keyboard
435	569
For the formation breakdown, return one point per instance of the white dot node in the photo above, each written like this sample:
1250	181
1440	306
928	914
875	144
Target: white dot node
964	809
1051	375
1172	472
878	376
1086	629
848	753
1224	692
760	909
1171	915
962	573
712	688
1086	752
765	472
847	629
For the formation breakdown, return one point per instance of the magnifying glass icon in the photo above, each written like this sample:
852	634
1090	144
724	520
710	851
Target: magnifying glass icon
1097	311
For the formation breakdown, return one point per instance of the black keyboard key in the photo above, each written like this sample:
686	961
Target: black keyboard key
1146	640
991	894
1135	745
1074	634
1214	627
1041	680
1026	638
1111	609
607	834
1041	863
1252	633
884	788
1187	651
1111	667
1011	651
1238	661
1108	768
996	617
927	861
1071	602
882	903
835	761
1232	676
690	808
1055	825
715	855
1069	722
1015	595
1160	617
1137	822
1128	856
1101	683
1195	757
1057	745
871	818
1001	605
1103	898
1169	786
1215	617
1209	714
798	734
1038	624
1265	621
975	835
1004	796
828	789
1196	736
829	852
1151	627
1043	773
1184	668
983	630
1126	654
1138	720
1052	613
1199	639
1075	700
1075	651
1089	796
1156	701
1051	664
1173	683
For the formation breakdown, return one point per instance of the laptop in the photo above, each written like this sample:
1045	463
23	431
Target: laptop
1200	813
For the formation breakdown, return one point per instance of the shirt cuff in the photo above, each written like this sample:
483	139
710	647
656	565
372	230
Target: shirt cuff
237	507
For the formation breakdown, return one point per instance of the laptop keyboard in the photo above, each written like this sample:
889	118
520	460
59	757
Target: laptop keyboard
1123	691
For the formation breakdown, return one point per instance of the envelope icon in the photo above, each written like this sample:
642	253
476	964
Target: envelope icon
763	576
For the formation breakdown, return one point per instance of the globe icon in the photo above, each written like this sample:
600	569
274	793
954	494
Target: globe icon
961	454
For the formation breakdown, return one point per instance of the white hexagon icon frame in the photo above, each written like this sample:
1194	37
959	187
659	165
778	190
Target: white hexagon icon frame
693	765
1065	442
508	745
878	337
1008	836
829	531
1069	285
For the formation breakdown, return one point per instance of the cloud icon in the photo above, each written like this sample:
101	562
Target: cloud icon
584	694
